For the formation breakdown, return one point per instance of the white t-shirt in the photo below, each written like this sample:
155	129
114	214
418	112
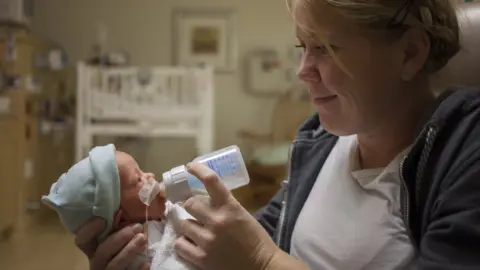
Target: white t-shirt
351	219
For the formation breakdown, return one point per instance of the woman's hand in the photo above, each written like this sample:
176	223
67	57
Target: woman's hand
117	252
225	235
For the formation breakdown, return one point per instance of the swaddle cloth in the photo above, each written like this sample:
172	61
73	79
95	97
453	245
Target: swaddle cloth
161	238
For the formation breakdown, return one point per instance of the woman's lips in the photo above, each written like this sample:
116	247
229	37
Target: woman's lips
324	100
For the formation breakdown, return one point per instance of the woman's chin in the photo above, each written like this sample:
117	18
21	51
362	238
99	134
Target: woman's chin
334	125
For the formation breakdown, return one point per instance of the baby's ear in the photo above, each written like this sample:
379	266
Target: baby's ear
118	219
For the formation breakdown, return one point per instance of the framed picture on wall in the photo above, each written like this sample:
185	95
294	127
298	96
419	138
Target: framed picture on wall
205	37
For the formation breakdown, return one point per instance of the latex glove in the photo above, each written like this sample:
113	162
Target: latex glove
225	235
118	251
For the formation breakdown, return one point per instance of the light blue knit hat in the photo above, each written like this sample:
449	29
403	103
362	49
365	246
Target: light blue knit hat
90	188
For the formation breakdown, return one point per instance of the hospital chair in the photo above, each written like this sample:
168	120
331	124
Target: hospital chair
464	68
267	166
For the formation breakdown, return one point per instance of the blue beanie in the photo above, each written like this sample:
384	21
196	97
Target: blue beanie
90	188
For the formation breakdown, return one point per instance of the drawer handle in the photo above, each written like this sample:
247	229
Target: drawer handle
28	108
27	132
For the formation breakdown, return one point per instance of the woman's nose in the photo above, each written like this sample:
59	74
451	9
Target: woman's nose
308	71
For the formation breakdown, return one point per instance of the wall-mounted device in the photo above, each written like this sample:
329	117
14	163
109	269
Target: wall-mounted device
16	11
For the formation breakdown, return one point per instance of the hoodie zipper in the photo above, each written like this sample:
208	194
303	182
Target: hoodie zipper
424	156
283	212
406	201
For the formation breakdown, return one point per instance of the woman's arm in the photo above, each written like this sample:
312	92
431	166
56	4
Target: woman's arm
284	261
452	237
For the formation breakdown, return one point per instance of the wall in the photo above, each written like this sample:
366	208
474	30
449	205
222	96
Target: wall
143	28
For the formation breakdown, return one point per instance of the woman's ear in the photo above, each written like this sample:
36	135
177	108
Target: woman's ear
416	48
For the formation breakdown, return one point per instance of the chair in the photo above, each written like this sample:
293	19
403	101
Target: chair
267	167
464	68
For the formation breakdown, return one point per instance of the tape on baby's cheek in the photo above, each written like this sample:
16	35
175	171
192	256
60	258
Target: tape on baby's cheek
144	194
149	191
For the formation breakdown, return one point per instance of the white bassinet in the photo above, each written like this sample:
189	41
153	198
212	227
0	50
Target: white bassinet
144	102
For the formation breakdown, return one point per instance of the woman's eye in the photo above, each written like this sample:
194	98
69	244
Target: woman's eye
323	49
319	50
301	46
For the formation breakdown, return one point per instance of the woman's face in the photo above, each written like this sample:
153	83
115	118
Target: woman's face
373	88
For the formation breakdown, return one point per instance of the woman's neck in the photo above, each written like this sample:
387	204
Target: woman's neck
382	144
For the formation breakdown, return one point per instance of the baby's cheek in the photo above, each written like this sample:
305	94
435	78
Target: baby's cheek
131	199
137	210
134	191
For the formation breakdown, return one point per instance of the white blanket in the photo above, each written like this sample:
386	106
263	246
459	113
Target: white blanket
161	237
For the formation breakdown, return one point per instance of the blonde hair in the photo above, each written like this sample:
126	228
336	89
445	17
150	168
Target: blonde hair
437	17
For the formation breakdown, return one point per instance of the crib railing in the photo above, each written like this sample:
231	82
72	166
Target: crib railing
136	93
133	101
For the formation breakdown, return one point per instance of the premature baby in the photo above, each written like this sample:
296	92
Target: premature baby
107	184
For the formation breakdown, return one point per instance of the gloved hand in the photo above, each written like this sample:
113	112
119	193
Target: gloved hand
225	235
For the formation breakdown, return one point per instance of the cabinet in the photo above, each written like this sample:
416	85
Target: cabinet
35	148
17	150
8	196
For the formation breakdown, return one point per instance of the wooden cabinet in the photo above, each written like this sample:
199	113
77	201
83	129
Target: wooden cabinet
31	157
9	172
17	152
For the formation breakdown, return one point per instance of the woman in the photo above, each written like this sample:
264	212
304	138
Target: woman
385	176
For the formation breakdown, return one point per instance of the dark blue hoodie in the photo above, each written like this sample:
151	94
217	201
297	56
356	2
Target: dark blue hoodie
440	179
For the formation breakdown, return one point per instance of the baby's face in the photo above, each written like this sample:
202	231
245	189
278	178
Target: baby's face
131	181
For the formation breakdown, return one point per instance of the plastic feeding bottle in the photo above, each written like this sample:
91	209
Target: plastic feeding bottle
228	163
179	185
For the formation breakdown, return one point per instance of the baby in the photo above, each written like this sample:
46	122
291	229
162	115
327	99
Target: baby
107	184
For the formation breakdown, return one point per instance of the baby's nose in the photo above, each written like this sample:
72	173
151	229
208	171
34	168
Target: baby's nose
148	176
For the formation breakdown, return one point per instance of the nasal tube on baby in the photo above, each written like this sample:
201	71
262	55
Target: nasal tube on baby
227	163
150	190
